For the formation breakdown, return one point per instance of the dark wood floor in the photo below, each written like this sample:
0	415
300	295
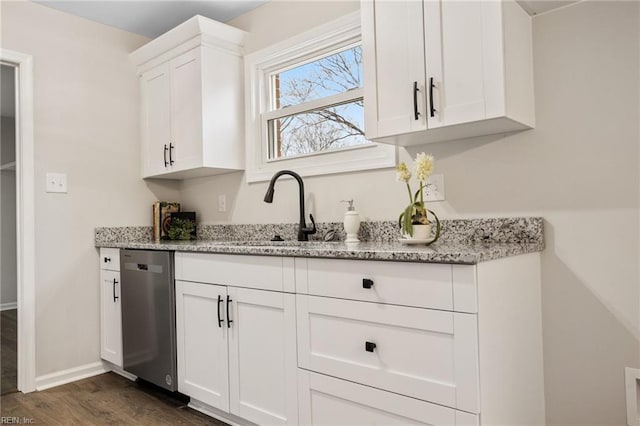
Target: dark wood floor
8	351
107	399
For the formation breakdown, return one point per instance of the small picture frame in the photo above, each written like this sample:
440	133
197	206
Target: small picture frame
162	218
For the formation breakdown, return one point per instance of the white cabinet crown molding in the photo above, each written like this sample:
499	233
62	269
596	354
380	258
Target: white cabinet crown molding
192	33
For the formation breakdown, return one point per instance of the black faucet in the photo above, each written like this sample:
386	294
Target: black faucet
303	231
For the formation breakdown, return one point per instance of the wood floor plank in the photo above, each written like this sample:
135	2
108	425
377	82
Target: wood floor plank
8	351
107	399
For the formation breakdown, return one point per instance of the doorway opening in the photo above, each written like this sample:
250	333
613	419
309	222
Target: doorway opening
8	234
17	220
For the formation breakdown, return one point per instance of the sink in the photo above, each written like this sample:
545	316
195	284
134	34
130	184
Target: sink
261	243
266	243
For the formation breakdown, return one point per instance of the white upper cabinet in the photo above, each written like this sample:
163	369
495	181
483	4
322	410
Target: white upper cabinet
155	115
445	70
191	86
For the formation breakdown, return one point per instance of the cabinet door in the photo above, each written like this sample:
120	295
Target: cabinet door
155	115
368	343
201	332
393	54
110	317
455	60
338	402
262	356
186	110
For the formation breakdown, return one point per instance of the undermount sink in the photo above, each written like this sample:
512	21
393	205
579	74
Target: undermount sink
261	243
267	243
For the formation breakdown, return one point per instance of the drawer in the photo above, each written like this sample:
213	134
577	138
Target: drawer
399	283
110	259
260	272
337	402
422	353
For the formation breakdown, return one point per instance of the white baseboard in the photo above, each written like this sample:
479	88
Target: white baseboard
118	370
210	411
71	375
8	306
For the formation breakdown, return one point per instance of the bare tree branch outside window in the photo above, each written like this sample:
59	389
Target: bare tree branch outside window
332	127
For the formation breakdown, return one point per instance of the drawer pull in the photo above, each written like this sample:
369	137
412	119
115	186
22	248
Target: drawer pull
367	283
107	259
369	346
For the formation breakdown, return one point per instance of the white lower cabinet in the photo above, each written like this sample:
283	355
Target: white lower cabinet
237	347
202	336
346	349
110	315
422	353
262	360
375	347
328	401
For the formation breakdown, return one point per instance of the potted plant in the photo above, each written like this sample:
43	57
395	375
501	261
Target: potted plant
181	229
414	221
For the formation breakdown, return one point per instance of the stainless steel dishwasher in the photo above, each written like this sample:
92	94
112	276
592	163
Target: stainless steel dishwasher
148	316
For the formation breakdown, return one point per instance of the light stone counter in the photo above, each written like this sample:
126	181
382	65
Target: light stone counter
462	241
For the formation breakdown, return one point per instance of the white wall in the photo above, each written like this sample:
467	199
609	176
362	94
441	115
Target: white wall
8	265
86	125
578	169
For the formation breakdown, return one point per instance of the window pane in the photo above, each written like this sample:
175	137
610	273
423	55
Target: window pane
330	128
337	73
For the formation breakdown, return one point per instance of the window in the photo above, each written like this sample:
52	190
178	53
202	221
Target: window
317	106
305	105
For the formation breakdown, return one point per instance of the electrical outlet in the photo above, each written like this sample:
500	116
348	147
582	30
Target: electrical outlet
434	188
56	182
222	203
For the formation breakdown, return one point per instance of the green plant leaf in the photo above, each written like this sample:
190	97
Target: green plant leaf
408	226
437	227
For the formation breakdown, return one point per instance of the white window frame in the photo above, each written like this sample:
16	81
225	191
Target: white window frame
258	68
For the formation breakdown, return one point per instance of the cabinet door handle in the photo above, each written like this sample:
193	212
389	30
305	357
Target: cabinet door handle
107	259
369	346
220	320
432	110
115	298
166	163
367	283
170	154
416	113
229	320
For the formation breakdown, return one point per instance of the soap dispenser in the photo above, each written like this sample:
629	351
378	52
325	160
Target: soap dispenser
351	223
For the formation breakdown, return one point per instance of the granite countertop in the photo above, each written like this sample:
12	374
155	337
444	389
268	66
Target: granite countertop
465	241
440	252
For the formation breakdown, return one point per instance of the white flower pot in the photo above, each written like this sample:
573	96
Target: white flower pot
420	232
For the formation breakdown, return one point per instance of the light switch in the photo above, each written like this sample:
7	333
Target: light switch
56	182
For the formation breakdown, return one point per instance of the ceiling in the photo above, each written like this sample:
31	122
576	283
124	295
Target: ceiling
535	7
151	18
